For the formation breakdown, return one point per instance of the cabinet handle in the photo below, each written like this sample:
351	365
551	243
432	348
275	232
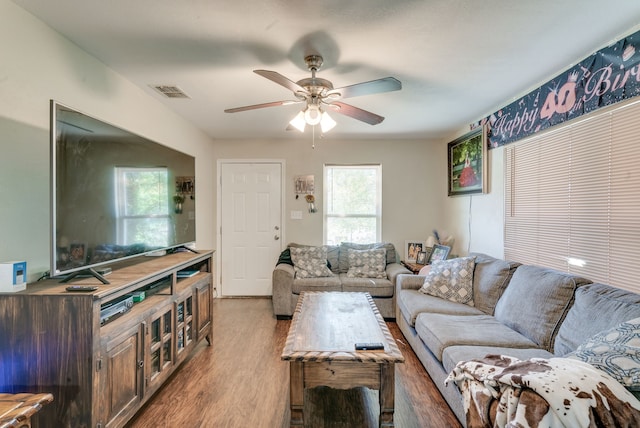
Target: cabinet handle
141	363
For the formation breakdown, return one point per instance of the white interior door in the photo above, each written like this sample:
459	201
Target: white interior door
250	234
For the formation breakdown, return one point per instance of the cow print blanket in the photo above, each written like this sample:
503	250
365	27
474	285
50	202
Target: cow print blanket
502	391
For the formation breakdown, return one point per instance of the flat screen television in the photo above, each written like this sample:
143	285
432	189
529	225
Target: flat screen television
114	195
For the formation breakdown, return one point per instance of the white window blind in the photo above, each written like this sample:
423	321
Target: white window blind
572	198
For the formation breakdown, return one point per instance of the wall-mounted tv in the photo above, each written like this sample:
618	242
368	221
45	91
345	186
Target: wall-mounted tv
114	194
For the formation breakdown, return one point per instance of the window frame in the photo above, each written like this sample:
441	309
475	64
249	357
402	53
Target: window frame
378	209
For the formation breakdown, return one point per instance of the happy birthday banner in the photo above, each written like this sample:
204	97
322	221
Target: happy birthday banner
604	78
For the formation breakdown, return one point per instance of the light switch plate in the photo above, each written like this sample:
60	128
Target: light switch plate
296	215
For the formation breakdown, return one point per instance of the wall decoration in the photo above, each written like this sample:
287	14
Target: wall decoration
304	184
411	250
311	200
602	79
467	171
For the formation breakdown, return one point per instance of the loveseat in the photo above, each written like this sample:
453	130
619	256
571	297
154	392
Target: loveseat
521	311
371	268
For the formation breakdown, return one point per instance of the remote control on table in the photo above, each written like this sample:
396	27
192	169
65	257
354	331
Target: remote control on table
82	288
376	346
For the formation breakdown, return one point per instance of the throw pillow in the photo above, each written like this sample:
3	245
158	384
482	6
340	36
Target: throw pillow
343	258
615	351
367	263
310	262
451	280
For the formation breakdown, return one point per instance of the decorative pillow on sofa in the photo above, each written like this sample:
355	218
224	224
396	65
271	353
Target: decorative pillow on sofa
343	258
367	263
616	352
310	262
451	280
333	251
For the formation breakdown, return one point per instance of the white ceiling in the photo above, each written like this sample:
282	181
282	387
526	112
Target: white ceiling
458	60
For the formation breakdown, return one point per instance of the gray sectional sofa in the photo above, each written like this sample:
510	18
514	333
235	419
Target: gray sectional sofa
518	310
287	286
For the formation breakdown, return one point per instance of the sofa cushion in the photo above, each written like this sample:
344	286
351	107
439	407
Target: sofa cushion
377	287
491	277
536	302
439	331
412	303
451	279
454	354
332	254
367	263
343	257
615	351
310	262
580	322
327	283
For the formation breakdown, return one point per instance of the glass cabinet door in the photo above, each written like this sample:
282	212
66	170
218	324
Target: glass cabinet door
160	345
184	324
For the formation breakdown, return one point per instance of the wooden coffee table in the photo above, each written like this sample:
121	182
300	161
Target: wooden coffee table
321	349
16	409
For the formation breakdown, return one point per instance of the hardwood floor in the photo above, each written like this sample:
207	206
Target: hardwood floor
240	381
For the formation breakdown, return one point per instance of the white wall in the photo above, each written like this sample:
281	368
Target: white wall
477	221
38	65
414	181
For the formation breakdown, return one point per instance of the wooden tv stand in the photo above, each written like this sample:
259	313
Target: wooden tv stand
101	373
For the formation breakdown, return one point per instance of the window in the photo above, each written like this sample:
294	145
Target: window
571	198
142	206
352	203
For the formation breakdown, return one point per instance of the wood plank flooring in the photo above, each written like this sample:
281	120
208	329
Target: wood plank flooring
240	381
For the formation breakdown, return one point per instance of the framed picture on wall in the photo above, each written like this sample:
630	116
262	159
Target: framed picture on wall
467	165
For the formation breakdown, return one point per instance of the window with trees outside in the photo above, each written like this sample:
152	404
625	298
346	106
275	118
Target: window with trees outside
142	205
352	203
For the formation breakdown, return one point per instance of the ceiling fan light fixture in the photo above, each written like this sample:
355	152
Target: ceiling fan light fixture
327	123
313	115
298	122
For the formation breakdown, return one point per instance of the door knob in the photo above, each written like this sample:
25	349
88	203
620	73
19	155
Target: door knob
276	228
276	237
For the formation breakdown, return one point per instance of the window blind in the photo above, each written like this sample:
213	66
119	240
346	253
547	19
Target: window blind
572	198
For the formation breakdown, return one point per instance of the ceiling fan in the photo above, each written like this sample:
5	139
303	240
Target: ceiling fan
319	95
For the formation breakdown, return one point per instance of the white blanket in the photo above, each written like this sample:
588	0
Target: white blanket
502	391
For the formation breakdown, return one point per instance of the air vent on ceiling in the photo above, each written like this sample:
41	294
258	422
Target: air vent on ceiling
170	91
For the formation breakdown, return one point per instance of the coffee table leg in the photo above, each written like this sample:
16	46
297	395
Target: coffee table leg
296	393
387	394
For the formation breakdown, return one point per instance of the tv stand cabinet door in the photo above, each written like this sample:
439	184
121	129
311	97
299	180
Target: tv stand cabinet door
204	314
122	376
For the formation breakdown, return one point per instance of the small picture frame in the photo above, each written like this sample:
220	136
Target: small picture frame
421	258
439	252
411	250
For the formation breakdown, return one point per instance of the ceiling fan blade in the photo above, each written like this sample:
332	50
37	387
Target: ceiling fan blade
386	84
281	80
356	113
263	105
